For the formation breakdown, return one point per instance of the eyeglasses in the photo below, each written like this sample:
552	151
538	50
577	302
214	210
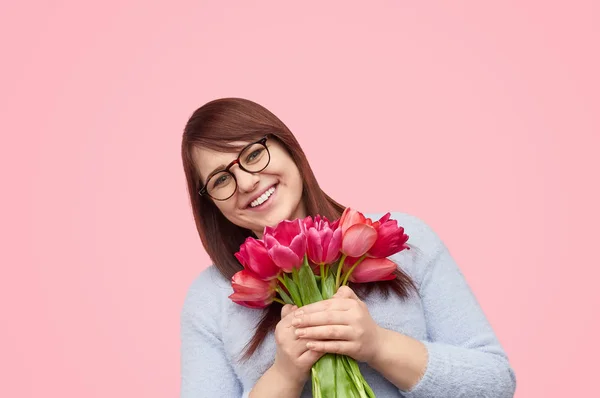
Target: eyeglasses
253	158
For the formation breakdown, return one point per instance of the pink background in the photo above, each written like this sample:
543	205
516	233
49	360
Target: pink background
480	119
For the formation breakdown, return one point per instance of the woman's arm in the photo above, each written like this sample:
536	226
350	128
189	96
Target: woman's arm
462	356
274	384
400	359
205	370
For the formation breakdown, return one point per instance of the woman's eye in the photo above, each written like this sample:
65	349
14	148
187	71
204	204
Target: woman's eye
221	180
254	155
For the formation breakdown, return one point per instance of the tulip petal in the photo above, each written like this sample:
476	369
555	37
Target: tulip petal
314	246
285	258
253	256
298	245
358	239
385	218
373	270
391	239
351	217
334	246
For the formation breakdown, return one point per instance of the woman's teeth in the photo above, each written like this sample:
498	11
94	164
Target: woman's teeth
262	198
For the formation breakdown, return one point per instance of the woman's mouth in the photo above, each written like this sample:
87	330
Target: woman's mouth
262	199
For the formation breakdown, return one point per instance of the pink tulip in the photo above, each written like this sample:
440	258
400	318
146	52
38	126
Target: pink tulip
323	240
286	244
391	238
351	217
250	291
253	256
358	239
358	233
371	270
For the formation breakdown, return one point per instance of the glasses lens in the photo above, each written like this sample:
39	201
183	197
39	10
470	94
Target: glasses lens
221	185
255	158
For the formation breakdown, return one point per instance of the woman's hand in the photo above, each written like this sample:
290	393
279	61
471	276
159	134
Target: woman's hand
340	325
293	359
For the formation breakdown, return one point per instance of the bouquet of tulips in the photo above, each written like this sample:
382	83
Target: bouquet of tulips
300	262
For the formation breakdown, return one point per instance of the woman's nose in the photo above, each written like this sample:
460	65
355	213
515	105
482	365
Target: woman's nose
247	182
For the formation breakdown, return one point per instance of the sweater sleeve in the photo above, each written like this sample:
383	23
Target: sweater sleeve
465	357
205	369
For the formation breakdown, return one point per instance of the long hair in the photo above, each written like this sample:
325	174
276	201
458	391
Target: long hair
215	126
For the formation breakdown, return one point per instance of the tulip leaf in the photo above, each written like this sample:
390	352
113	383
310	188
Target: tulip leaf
344	384
309	290
285	296
324	373
329	287
293	289
316	384
353	371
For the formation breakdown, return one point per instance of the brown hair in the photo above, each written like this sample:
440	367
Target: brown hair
214	126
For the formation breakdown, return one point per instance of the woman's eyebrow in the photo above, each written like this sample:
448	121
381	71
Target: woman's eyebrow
215	170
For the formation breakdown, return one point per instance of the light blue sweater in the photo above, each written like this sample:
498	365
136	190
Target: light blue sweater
465	357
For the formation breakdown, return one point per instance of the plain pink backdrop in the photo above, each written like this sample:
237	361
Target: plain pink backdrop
481	119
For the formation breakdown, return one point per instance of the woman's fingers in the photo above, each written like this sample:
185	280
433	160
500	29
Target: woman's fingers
321	318
328	332
333	304
309	357
287	309
332	346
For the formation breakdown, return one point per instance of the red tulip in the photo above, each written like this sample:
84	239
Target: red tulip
286	244
323	240
253	256
371	270
391	238
250	291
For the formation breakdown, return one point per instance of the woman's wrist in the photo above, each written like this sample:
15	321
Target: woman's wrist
400	359
291	381
275	384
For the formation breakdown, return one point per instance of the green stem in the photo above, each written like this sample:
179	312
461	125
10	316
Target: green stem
352	269
295	277
339	271
286	298
323	278
280	279
278	300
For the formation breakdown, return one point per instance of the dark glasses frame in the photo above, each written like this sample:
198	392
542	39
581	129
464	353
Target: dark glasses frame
204	191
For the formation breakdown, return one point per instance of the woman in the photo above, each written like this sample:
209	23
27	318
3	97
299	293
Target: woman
422	334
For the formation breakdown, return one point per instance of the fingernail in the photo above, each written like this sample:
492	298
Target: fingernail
310	345
300	332
296	321
299	313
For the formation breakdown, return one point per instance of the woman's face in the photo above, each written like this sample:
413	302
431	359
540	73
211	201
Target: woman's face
247	207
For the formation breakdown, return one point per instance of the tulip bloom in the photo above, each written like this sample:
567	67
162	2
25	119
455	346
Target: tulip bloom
253	256
391	238
371	270
286	244
323	240
250	291
358	233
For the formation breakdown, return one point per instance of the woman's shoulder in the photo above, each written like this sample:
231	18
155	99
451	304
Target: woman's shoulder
424	243
206	291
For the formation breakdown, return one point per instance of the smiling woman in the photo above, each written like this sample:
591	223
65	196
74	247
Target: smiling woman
241	195
418	333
